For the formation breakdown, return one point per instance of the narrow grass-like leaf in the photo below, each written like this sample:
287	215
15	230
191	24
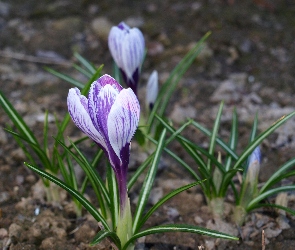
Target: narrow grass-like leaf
45	134
184	142
148	182
17	120
85	203
288	210
65	77
254	129
232	140
82	70
139	171
94	178
178	159
218	140
169	86
114	195
214	136
103	234
250	148
170	228
268	193
163	200
85	63
38	151
276	177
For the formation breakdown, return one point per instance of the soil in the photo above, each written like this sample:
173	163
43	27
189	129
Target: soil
248	62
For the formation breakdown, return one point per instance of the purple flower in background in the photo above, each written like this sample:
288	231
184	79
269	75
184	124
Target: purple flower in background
127	48
109	117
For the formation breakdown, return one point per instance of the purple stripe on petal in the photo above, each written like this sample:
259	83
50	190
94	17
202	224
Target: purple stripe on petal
77	106
99	105
123	120
132	51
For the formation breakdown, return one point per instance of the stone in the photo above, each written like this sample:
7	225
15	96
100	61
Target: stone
101	27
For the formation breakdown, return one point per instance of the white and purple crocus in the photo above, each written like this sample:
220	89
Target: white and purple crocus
109	117
127	48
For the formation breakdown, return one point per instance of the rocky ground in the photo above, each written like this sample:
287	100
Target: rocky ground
248	62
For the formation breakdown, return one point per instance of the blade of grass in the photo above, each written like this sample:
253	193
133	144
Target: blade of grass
232	140
214	136
179	228
85	203
17	119
65	77
162	201
169	86
103	234
276	177
268	193
85	63
148	182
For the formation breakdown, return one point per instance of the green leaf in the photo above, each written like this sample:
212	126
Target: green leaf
17	120
179	228
179	160
218	140
82	70
214	136
243	157
163	200
232	140
114	195
103	234
288	210
65	77
277	176
96	182
85	63
170	85
37	149
85	203
148	182
139	171
268	193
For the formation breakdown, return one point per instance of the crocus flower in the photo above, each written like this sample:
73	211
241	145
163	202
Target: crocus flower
152	90
109	117
127	48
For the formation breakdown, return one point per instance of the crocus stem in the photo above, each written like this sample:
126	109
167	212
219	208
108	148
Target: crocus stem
124	227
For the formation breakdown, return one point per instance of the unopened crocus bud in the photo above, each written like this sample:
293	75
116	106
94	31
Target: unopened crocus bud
249	185
254	165
127	48
152	90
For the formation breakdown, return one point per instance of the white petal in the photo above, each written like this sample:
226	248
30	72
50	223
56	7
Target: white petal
152	88
115	45
77	106
132	51
123	120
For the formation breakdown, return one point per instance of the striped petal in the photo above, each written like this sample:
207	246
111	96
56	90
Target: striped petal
77	106
127	48
132	51
100	103
123	120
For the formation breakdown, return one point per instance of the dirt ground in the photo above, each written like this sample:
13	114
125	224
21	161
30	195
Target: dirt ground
248	62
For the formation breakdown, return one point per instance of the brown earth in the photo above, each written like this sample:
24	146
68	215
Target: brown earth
251	52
